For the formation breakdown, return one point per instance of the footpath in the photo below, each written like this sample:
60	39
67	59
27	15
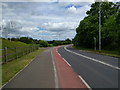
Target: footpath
38	74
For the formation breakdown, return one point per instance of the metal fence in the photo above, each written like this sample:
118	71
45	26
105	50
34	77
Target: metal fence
8	54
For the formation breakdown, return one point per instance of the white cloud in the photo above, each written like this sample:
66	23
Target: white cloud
72	9
45	19
58	27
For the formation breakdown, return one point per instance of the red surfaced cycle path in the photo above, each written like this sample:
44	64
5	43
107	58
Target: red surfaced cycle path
66	75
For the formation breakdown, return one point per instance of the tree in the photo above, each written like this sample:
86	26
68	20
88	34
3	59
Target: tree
26	40
89	26
43	43
68	41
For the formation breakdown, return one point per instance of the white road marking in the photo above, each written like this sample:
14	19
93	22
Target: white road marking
55	72
66	62
56	51
92	59
63	58
85	82
78	75
59	54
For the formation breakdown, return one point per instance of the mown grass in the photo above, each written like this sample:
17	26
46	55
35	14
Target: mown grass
103	52
12	67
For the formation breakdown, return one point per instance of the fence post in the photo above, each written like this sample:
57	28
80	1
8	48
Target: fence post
37	47
33	48
16	52
23	51
30	49
27	50
6	54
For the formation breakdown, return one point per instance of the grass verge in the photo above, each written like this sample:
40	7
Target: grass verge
103	52
12	67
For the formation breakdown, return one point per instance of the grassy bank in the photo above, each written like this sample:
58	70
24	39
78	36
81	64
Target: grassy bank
12	67
103	52
12	44
14	49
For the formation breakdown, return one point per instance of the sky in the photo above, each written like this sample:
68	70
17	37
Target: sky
42	20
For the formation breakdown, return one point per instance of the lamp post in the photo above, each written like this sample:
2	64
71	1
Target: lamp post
95	43
99	26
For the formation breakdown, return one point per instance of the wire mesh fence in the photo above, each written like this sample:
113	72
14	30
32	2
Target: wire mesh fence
8	54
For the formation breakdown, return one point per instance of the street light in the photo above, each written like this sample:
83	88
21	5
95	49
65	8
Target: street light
95	43
99	26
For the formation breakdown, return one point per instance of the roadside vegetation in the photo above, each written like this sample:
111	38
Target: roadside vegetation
14	49
41	43
88	28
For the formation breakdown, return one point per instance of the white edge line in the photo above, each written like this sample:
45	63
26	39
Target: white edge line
66	62
17	73
59	54
55	72
85	82
92	59
57	51
63	58
78	75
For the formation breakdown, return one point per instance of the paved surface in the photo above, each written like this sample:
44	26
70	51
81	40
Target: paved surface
96	75
67	77
39	74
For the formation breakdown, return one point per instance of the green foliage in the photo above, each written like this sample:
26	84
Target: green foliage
43	43
110	33
68	41
26	40
110	23
56	43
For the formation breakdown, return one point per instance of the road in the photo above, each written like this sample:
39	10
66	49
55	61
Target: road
66	67
99	71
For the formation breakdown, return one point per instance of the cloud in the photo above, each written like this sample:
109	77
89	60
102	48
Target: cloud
58	27
72	9
44	20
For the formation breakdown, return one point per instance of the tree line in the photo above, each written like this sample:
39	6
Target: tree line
88	28
41	43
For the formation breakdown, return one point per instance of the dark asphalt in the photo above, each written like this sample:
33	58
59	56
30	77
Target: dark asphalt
38	74
95	74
